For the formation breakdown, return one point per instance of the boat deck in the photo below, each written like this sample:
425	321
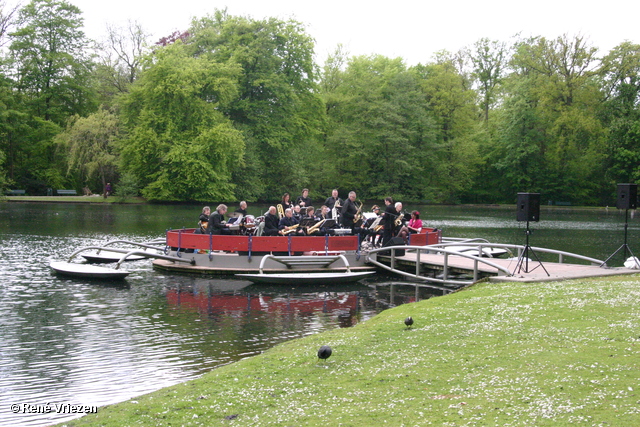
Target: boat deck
534	273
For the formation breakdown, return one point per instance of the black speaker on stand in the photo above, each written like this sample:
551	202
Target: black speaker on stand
528	209
627	199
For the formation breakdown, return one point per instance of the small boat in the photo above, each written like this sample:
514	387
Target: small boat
87	270
108	256
306	278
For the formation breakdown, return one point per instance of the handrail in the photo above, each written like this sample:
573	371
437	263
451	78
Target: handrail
191	261
313	259
442	248
520	249
118	250
446	252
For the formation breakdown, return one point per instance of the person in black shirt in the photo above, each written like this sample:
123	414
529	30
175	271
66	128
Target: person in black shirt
331	202
349	210
242	210
388	220
271	221
304	201
217	224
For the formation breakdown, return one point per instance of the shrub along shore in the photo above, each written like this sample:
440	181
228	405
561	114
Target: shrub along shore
508	354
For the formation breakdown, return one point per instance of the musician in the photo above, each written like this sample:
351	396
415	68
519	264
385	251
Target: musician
286	201
242	210
217	224
287	222
271	222
311	218
388	218
415	223
203	221
304	201
332	201
349	210
297	212
323	213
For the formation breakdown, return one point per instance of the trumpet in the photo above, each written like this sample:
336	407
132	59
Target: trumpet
280	211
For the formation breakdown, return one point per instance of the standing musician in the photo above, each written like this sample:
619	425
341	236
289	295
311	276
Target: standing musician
388	220
349	210
286	201
271	222
304	201
333	201
217	224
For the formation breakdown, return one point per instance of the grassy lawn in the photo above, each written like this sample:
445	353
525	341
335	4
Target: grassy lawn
72	199
546	354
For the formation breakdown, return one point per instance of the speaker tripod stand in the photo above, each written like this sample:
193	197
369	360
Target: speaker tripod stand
523	259
624	247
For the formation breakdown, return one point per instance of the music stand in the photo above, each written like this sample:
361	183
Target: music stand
524	256
307	222
625	247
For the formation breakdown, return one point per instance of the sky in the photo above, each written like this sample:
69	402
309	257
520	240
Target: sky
412	30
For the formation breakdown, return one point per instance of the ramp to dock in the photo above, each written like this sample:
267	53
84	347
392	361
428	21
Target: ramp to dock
436	263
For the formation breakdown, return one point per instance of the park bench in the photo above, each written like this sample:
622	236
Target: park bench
15	192
66	192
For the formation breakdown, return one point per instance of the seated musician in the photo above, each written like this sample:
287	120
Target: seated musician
271	221
217	224
310	219
242	210
288	224
415	223
203	221
297	212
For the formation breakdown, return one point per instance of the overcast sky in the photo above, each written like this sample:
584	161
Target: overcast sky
413	30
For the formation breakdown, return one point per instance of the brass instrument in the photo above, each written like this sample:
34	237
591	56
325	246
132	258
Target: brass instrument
398	220
280	210
375	225
358	216
288	230
315	227
334	210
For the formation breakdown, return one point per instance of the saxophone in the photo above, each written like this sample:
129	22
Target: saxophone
358	216
316	226
398	220
291	229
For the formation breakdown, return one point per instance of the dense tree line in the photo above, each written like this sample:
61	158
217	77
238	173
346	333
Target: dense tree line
235	108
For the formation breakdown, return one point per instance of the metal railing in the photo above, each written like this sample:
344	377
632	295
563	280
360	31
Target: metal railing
477	245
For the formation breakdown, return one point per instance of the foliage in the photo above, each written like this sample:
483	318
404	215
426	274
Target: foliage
91	146
179	145
127	188
277	108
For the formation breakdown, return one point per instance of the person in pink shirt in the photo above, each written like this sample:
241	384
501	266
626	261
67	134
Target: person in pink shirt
415	223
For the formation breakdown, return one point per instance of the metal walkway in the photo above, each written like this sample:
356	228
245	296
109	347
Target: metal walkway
438	264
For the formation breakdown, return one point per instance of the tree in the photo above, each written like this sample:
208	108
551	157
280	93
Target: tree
277	110
91	146
50	73
489	60
621	113
120	61
179	145
49	60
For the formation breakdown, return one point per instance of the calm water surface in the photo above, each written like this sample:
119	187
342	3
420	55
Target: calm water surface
96	343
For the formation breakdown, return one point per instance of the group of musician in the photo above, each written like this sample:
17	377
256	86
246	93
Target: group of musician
333	217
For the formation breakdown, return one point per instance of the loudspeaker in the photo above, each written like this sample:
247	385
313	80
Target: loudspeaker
394	241
627	196
528	207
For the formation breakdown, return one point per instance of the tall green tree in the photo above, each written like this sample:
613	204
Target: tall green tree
91	143
179	145
278	109
621	113
50	72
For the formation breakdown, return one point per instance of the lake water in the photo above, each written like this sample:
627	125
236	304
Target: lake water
70	341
